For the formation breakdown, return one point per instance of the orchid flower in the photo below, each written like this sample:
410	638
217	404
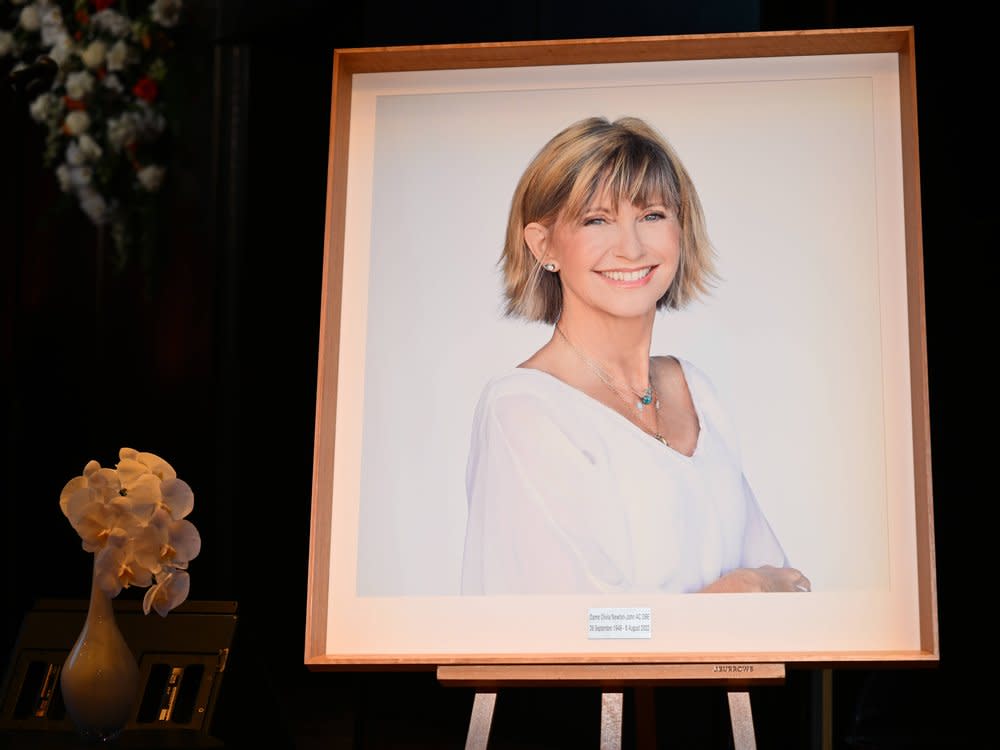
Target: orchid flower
132	518
141	475
171	589
164	542
94	505
116	566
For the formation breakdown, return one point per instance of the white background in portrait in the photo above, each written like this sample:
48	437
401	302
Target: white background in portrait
798	165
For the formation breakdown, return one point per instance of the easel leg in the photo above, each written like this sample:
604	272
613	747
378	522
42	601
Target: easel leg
611	721
742	720
827	698
481	721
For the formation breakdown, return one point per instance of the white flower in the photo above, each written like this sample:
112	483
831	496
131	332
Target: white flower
111	21
74	155
115	566
133	464
74	177
112	82
118	56
121	130
76	122
79	84
6	43
183	543
93	204
178	499
62	49
166	12
133	545
166	491
141	475
151	177
93	505
80	177
89	148
30	19
166	543
52	26
65	177
170	590
94	54
44	106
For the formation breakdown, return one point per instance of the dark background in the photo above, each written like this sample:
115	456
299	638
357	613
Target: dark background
208	357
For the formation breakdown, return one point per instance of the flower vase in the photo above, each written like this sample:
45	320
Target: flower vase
100	677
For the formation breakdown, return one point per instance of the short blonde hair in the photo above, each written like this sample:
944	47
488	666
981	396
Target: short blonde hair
629	159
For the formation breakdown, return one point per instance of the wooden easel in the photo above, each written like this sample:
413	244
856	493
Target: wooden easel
613	679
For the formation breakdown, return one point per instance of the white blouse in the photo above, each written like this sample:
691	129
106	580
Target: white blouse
567	496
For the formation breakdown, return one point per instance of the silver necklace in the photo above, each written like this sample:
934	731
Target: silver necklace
644	398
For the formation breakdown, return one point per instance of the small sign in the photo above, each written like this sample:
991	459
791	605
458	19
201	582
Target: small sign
619	622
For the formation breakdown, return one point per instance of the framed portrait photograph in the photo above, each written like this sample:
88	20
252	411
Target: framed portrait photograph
805	353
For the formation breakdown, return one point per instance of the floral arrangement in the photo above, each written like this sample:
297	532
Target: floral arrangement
104	111
132	518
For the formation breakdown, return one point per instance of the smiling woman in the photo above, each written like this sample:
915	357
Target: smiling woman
594	466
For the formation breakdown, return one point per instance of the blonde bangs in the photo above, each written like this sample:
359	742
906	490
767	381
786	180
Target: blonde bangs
615	161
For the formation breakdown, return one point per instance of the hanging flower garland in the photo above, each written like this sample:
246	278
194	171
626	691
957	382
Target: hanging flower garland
104	111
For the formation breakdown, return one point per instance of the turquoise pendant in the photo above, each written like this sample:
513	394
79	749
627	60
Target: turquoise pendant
645	399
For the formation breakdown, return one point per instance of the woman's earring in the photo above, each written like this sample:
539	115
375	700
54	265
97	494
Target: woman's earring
550	267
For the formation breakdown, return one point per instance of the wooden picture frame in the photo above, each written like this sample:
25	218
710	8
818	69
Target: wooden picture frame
803	146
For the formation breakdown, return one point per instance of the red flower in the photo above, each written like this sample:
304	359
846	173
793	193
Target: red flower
146	88
82	17
72	104
103	4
